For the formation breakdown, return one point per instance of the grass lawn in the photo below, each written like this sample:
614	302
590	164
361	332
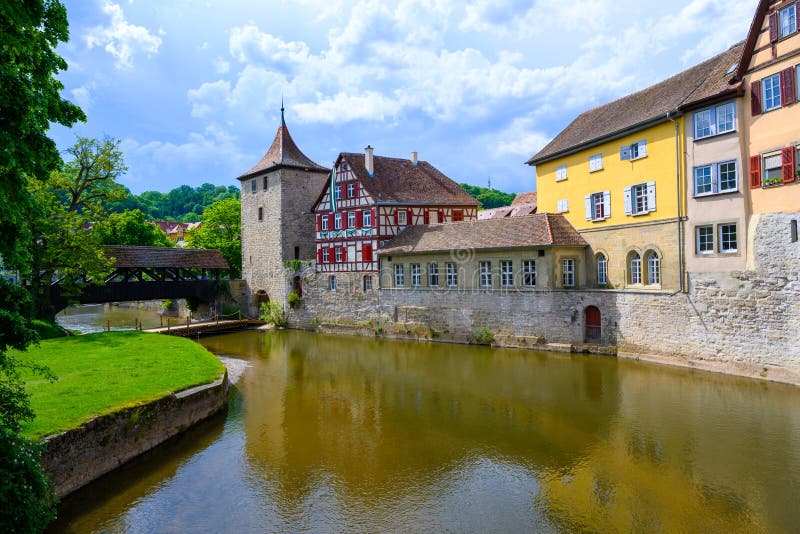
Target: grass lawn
101	373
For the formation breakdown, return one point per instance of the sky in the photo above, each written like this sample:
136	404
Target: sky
193	88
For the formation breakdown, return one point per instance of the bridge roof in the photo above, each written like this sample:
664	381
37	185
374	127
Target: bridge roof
185	258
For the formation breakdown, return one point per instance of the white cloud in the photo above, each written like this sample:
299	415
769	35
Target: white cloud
519	139
122	39
82	96
221	66
344	108
249	45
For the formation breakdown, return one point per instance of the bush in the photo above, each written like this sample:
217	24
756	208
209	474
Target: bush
27	500
294	299
273	313
482	336
47	330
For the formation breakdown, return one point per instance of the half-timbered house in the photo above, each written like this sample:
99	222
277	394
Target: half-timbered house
370	199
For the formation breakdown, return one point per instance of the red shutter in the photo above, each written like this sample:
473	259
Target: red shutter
319	255
396	217
355	189
458	215
374	218
797	15
359	219
427	217
755	171
366	252
410	217
787	87
329	220
787	169
319	224
755	98
773	27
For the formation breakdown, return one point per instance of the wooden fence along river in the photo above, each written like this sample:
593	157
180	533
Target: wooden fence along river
215	326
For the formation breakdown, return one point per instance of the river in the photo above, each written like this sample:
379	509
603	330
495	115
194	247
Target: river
335	433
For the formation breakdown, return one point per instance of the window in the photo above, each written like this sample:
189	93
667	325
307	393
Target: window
653	269
366	219
433	274
727	238
602	270
598	206
702	180
332	282
324	222
253	186
727	176
569	273
338	254
260	214
326	255
399	276
451	274
636	268
715	178
351	190
640	198
772	92
485	270
595	162
266	182
529	273
337	193
368	283
351	219
705	239
562	206
506	273
337	221
561	173
633	151
715	120
773	172
788	20
416	275
402	217
343	166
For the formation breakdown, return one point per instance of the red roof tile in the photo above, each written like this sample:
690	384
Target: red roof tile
283	153
528	197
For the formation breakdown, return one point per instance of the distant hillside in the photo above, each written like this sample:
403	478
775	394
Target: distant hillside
183	204
490	198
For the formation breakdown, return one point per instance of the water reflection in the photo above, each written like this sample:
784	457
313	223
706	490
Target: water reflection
339	433
89	318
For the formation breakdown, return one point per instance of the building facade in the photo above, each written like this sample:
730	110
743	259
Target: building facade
369	200
277	222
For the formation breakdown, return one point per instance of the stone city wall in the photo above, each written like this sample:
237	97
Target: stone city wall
76	457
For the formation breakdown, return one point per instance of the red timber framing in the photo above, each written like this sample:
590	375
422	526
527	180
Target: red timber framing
348	238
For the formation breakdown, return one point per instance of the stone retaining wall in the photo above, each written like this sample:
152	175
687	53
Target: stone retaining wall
76	457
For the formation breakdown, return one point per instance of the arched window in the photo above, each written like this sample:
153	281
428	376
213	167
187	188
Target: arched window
602	270
653	268
635	268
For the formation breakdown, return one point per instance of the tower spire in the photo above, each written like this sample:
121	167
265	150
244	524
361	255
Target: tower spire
283	121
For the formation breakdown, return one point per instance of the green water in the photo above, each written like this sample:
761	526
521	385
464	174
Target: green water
330	433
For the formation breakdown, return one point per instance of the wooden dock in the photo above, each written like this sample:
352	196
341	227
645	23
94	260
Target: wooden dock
189	329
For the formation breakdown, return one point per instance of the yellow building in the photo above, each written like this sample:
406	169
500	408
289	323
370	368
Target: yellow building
770	69
618	173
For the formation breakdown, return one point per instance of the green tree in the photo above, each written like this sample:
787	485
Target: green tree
130	228
221	230
489	198
30	100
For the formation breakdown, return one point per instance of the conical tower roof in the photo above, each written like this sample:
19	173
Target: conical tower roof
283	153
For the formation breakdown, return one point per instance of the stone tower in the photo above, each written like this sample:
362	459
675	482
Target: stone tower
277	223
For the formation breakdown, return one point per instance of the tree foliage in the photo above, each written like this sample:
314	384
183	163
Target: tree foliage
130	228
489	198
184	203
221	230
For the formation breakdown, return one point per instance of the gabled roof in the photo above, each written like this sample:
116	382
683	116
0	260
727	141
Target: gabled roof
399	181
514	210
752	38
184	258
639	110
283	153
529	197
543	229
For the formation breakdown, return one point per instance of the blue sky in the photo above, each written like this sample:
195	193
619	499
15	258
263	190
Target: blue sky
193	88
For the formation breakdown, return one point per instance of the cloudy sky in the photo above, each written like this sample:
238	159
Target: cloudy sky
193	88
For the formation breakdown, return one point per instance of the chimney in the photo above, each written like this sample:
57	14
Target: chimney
414	158
368	163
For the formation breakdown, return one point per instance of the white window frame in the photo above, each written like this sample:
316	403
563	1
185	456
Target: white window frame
634	151
451	274
602	270
765	174
332	282
337	192
791	19
485	274
568	272
632	194
337	221
416	275
773	85
399	275
402	217
635	266
366	219
561	173
529	273
433	275
653	268
351	219
367	282
598	206
338	254
713	117
506	273
351	190
703	240
596	163
713	172
722	240
324	223
562	206
326	255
